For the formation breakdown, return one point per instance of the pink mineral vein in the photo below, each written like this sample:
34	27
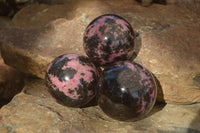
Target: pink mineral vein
130	65
123	24
71	56
142	109
74	83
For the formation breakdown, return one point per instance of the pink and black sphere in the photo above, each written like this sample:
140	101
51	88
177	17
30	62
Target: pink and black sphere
127	91
71	79
108	39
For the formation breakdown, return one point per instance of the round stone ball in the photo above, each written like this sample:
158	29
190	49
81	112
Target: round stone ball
126	92
71	79
109	38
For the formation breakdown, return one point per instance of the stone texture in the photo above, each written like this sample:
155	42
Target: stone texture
34	110
5	22
11	82
50	2
192	5
170	43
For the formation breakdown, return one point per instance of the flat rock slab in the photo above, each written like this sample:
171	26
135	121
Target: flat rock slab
170	41
34	110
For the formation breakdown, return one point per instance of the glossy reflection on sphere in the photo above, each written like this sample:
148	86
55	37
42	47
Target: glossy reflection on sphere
109	38
127	91
71	79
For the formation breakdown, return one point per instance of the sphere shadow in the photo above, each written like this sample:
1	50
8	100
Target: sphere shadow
11	83
160	95
157	107
92	103
194	122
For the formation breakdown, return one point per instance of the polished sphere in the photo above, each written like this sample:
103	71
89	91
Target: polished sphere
109	38
71	79
126	92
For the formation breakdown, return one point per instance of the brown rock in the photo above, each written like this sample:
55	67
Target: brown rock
170	43
34	110
11	83
41	15
192	5
4	22
50	2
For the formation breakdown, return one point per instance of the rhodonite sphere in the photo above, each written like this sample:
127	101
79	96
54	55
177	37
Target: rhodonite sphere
107	39
71	79
126	92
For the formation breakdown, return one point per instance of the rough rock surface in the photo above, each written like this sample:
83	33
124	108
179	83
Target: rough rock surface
11	82
34	110
5	22
170	43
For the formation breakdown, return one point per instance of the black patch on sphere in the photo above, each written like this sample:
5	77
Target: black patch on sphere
83	74
102	29
91	45
85	61
130	79
70	91
110	86
119	58
107	50
83	88
57	65
83	82
94	76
